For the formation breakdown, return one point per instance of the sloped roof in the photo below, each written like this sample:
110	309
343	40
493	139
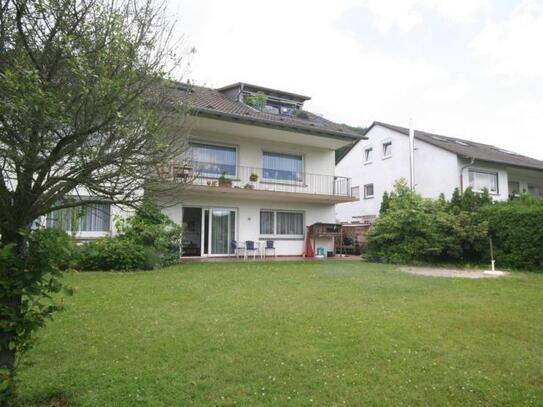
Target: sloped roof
211	103
469	149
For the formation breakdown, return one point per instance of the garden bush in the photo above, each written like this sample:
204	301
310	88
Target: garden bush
111	254
517	232
59	246
154	230
411	228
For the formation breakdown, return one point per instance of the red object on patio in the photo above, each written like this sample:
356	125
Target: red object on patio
309	247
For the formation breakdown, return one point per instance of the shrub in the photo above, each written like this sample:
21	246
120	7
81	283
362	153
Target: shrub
155	231
111	254
516	231
59	246
411	228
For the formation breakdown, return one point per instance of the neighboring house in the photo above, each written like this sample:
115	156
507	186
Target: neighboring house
441	164
256	173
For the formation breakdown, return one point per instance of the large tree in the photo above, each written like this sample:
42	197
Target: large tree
82	108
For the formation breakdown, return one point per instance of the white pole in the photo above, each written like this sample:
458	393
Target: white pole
411	155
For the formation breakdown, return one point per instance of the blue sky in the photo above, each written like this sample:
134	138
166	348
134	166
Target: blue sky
465	68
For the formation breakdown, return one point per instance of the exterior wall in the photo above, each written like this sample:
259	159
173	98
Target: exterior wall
248	218
250	151
435	170
464	165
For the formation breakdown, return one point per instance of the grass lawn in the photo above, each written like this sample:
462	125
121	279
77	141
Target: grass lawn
322	333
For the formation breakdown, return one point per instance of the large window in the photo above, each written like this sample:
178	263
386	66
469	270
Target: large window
283	167
480	180
281	223
213	160
87	218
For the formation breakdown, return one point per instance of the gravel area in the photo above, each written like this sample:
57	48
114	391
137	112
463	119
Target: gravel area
443	272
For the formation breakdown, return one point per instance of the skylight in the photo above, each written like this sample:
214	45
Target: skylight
461	143
438	138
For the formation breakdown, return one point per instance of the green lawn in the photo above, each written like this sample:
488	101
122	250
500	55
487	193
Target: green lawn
328	333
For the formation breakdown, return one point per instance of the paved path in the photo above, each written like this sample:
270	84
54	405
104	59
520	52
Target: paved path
442	272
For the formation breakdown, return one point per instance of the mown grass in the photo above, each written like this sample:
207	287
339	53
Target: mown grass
328	333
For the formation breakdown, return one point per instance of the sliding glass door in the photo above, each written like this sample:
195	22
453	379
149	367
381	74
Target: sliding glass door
218	231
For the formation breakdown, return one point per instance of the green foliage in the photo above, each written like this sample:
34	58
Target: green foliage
112	254
60	246
28	282
257	101
469	201
155	231
411	228
385	203
517	232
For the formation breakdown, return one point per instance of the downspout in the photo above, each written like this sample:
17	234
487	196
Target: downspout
411	155
461	174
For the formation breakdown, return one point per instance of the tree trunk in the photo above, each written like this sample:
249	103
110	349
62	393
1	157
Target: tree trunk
10	313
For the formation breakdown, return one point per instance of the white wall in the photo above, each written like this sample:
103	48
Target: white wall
250	151
248	221
435	170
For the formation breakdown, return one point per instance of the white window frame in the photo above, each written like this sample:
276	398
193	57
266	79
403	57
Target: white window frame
217	144
366	149
275	235
366	196
488	172
355	191
383	144
281	181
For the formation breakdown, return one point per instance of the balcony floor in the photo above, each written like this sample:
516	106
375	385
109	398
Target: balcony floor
260	194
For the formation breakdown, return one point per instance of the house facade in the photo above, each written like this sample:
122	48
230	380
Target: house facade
258	167
441	164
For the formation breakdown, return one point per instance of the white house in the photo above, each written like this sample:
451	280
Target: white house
258	168
257	173
441	164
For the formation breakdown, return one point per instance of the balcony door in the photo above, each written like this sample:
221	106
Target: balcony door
218	231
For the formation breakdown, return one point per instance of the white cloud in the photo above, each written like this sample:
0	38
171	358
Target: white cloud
407	14
299	46
513	47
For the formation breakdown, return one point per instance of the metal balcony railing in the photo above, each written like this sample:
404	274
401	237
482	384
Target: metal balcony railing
262	179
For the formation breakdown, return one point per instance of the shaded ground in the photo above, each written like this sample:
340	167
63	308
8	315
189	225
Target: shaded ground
444	272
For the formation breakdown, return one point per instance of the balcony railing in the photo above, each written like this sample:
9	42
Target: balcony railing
260	179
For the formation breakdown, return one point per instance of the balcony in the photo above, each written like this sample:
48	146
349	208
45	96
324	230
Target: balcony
260	183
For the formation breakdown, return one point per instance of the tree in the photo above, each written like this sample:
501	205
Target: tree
85	106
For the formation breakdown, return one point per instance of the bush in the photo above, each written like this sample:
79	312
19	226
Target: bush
59	246
112	254
516	231
411	228
155	231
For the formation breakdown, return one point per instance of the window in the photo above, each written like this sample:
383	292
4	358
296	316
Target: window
368	191
87	218
368	155
387	149
283	167
213	160
355	192
480	180
281	223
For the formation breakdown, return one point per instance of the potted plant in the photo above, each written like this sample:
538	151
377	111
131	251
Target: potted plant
253	178
224	181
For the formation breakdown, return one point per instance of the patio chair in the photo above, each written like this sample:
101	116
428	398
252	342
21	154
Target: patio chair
269	246
250	246
237	249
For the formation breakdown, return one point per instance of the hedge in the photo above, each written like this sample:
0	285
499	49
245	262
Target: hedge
516	228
